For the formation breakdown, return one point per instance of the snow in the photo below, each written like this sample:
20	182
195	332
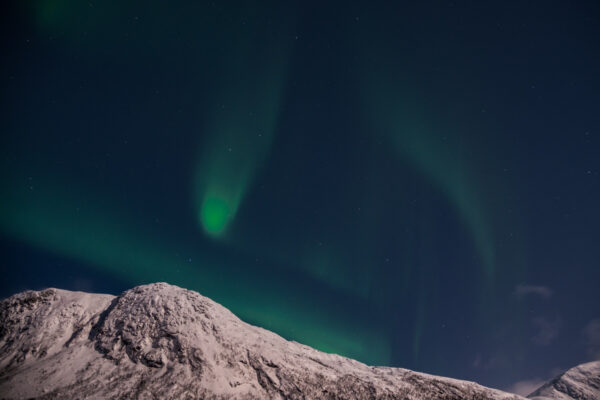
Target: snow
161	341
581	382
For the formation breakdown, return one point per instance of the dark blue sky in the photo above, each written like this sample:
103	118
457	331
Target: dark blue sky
408	185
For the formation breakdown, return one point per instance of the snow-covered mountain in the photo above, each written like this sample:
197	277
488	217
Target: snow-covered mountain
162	342
581	382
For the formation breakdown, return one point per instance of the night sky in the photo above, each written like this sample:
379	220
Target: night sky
408	185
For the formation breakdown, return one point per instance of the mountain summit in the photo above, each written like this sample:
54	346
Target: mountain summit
159	341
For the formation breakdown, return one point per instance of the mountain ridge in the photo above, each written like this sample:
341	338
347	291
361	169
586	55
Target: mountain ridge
160	341
579	382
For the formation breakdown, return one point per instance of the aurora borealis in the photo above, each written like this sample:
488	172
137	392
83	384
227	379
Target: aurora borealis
393	183
240	128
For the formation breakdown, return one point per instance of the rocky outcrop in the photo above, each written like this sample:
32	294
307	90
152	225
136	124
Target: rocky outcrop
162	342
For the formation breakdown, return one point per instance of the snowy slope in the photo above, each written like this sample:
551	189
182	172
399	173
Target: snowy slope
162	342
581	382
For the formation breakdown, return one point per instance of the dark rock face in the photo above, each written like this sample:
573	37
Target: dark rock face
162	342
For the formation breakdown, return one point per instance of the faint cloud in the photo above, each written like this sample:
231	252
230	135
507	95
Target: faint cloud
525	387
547	330
522	290
591	335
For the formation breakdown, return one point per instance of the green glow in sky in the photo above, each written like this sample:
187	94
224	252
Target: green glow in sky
238	137
444	167
51	13
89	228
67	19
439	156
330	266
214	214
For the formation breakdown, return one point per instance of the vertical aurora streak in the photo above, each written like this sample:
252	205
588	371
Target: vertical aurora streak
398	113
238	133
437	155
430	155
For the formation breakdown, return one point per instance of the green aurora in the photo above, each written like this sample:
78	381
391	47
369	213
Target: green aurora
398	115
238	134
52	217
439	156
